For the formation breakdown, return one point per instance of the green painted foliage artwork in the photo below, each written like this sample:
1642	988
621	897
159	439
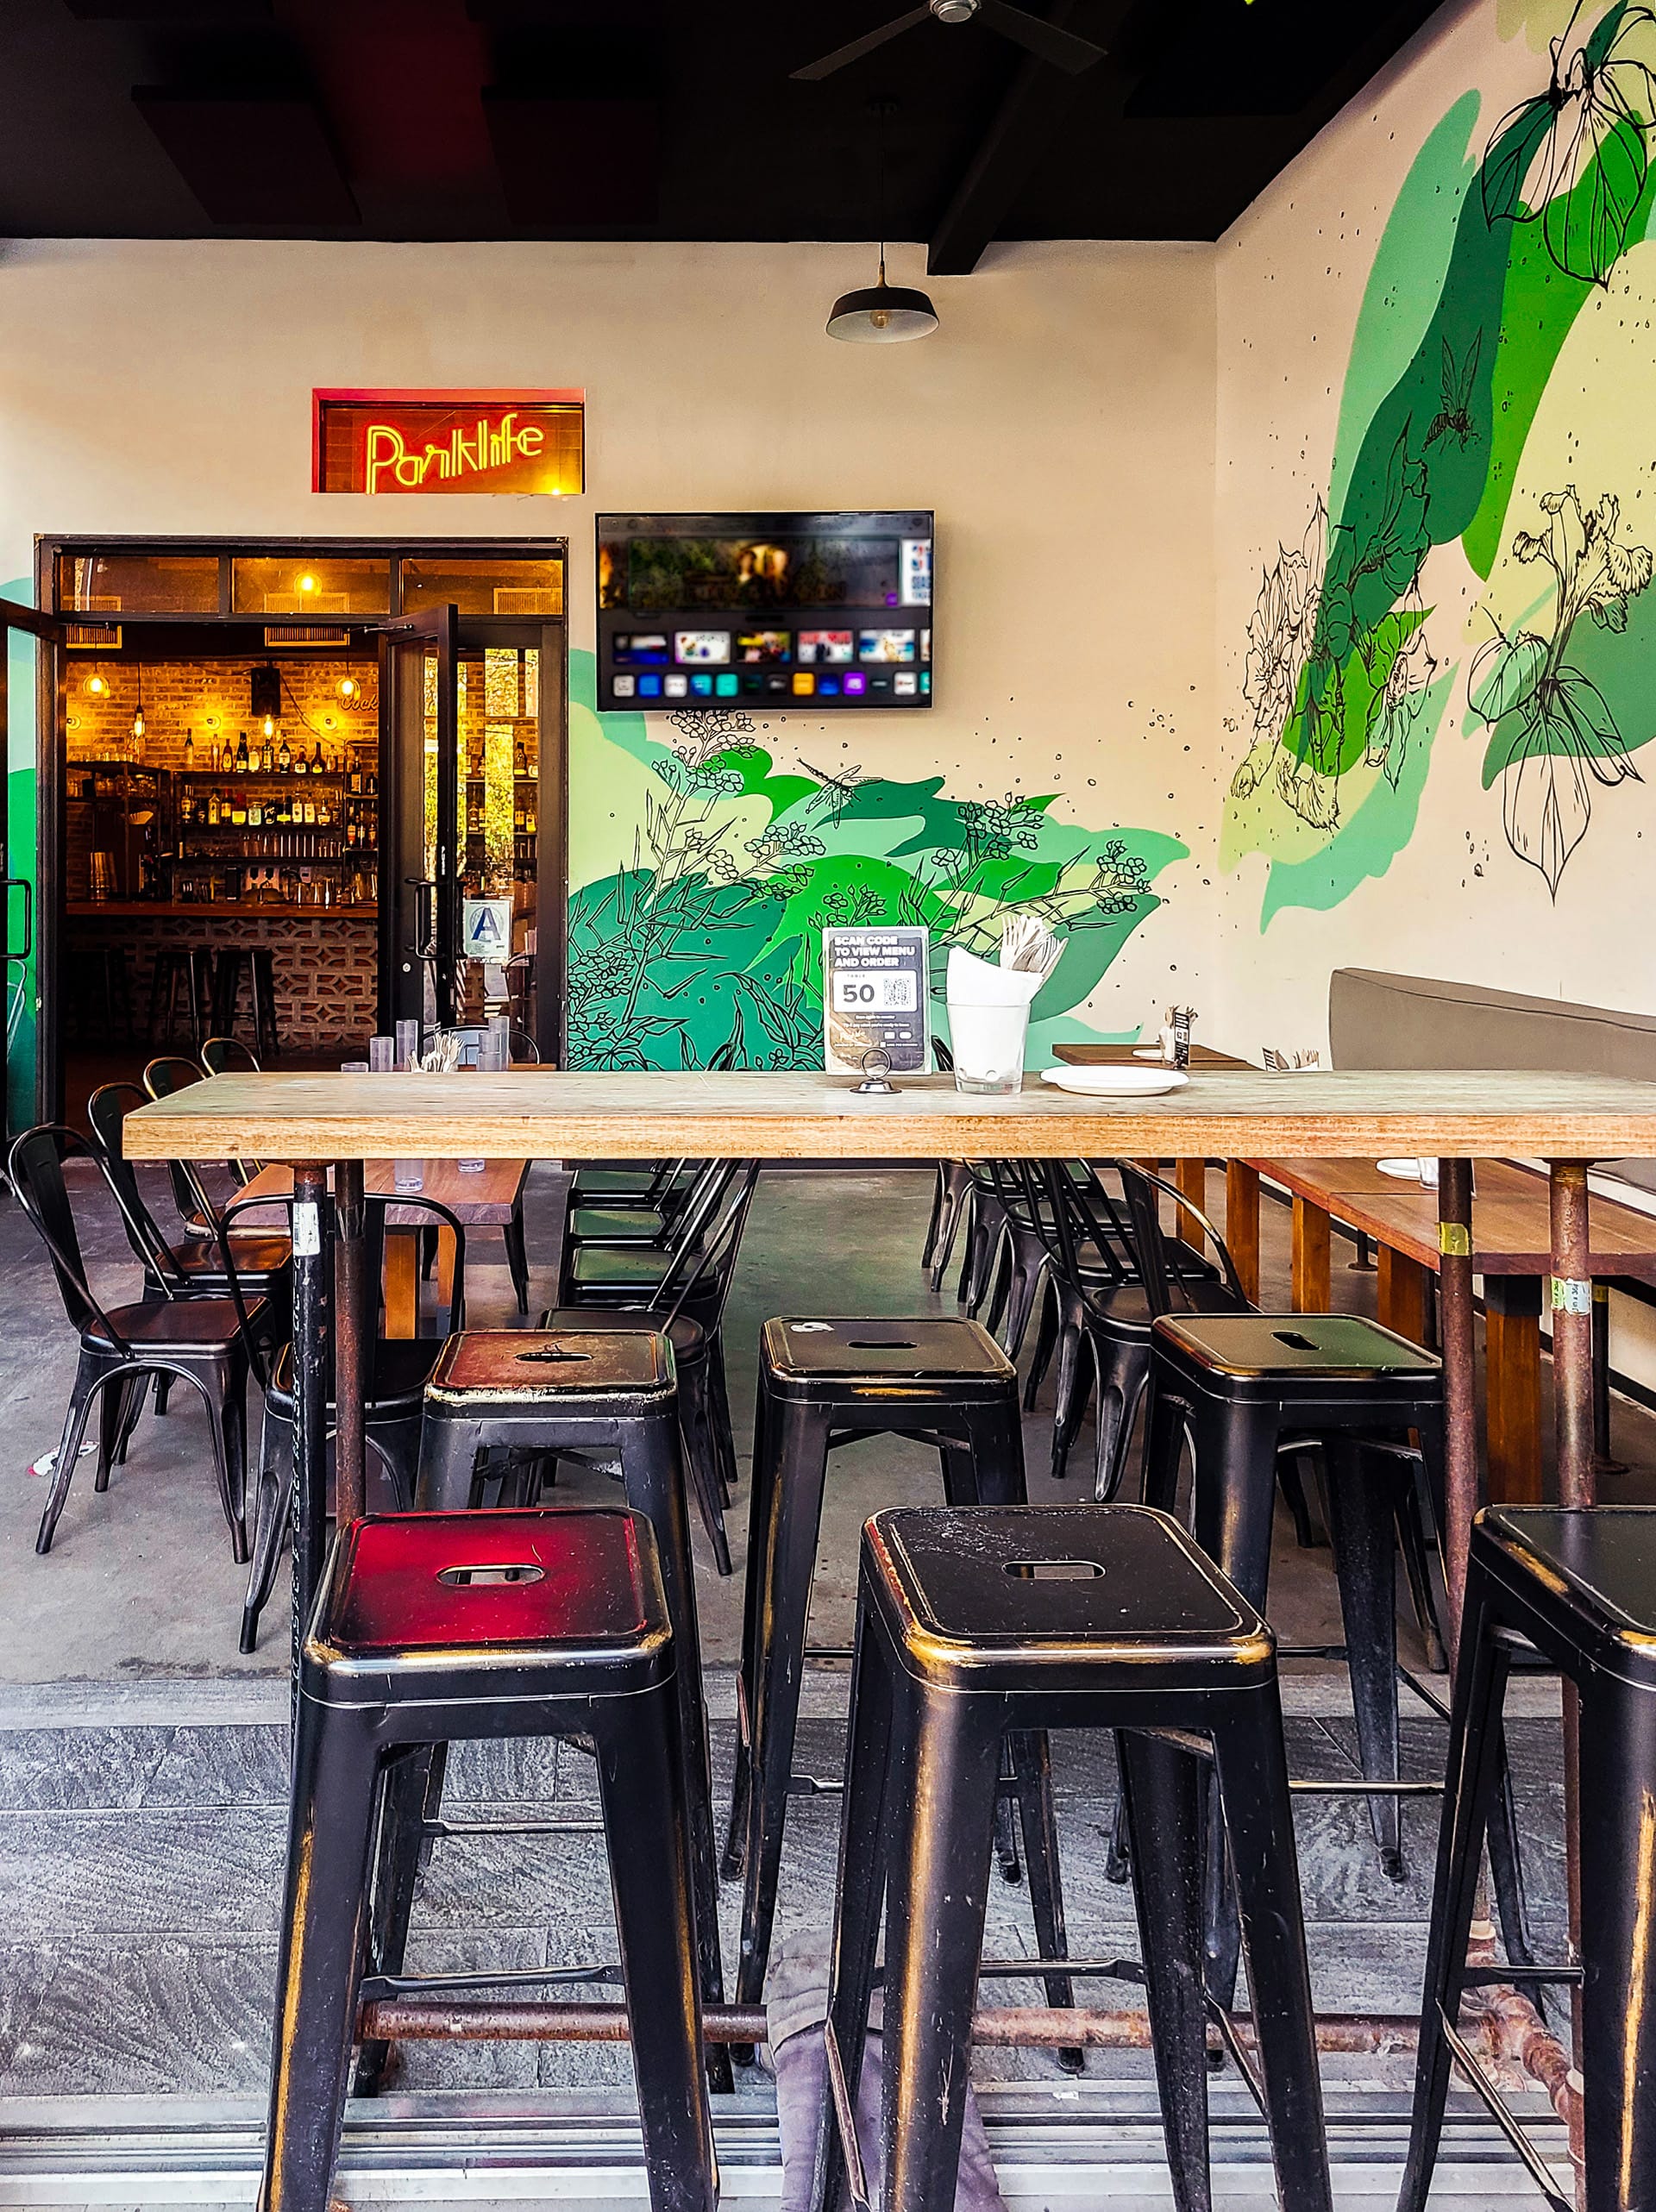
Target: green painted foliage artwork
1345	693
704	945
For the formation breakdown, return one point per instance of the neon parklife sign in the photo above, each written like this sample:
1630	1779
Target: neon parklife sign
454	441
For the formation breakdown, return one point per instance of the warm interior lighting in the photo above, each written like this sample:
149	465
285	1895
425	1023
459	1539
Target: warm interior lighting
348	687
270	725
307	582
882	314
98	686
138	724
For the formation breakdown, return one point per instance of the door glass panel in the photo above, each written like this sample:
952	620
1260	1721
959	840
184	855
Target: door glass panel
499	587
499	760
298	583
114	582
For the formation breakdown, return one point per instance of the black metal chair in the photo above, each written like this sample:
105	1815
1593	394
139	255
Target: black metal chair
436	1627
1579	1586
228	1055
393	1405
970	1625
202	1341
164	1078
823	1384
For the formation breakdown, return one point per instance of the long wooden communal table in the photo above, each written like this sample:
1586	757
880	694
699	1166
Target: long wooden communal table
1457	1117
1511	1252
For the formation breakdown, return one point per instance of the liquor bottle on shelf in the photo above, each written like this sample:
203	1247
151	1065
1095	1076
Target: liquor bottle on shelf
238	813
316	767
212	809
284	758
241	755
356	774
266	755
520	759
255	815
189	751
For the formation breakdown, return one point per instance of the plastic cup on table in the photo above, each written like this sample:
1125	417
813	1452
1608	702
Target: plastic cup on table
408	1174
408	1044
382	1054
354	1068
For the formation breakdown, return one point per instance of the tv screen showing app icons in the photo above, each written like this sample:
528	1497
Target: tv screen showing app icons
829	645
763	645
640	648
703	646
886	645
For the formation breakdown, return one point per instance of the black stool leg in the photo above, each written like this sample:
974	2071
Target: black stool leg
1165	1428
652	1470
1618	1883
759	1511
1362	1500
324	1920
937	1893
1474	1735
511	1236
449	1444
871	1752
1160	1790
1046	1343
788	1537
402	1820
1252	1770
641	1768
1031	1764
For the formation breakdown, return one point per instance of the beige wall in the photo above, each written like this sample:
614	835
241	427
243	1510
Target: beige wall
1060	423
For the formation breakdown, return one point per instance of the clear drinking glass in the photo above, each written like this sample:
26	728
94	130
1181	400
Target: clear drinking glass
408	1044
352	1067
382	1054
408	1174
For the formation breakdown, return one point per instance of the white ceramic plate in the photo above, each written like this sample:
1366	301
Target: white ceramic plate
1406	1171
1115	1082
1148	1052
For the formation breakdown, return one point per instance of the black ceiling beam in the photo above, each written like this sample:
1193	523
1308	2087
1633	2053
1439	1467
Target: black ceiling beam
256	160
1021	133
577	164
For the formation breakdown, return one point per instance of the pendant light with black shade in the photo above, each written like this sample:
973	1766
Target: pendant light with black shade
882	314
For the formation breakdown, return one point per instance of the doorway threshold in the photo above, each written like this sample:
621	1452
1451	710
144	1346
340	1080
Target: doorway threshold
1053	2143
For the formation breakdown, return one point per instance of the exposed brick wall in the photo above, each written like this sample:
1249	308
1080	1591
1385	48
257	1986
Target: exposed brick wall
210	697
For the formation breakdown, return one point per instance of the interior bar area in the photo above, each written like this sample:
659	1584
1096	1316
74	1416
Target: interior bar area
286	780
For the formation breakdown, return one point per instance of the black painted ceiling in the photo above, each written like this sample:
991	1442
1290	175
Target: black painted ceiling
671	119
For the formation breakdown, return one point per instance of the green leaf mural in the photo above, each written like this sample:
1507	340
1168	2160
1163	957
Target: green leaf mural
704	941
1342	684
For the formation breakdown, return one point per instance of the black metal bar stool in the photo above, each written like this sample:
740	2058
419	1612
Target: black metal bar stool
822	1384
432	1627
187	968
1237	1384
261	996
1057	1617
610	1395
1579	1585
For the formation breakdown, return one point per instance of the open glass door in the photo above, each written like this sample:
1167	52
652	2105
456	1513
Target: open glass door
419	881
471	876
27	636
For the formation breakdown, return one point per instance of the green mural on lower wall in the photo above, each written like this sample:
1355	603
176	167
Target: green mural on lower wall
1467	440
703	874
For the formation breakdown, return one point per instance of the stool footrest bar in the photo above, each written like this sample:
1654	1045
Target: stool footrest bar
1496	2105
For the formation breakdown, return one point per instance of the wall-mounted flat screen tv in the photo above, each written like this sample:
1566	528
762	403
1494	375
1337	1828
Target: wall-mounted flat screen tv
809	611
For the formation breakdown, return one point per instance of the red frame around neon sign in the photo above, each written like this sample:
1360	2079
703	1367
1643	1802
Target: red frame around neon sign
388	396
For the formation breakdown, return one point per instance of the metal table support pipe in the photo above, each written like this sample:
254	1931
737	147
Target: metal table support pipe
312	1347
353	1342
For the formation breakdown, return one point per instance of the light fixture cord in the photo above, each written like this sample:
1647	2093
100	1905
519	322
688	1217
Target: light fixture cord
883	108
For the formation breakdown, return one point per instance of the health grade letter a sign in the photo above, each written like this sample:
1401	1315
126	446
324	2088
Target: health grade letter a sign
457	441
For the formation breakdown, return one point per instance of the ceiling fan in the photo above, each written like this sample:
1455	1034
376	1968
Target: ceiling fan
1063	48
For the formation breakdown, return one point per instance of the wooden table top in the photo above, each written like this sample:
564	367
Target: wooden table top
479	1199
1130	1056
1511	1222
540	1114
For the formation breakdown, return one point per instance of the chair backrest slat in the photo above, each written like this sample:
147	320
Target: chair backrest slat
35	1166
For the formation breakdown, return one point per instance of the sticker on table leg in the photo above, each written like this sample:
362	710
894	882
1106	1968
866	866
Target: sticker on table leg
307	1230
1454	1240
1569	1296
